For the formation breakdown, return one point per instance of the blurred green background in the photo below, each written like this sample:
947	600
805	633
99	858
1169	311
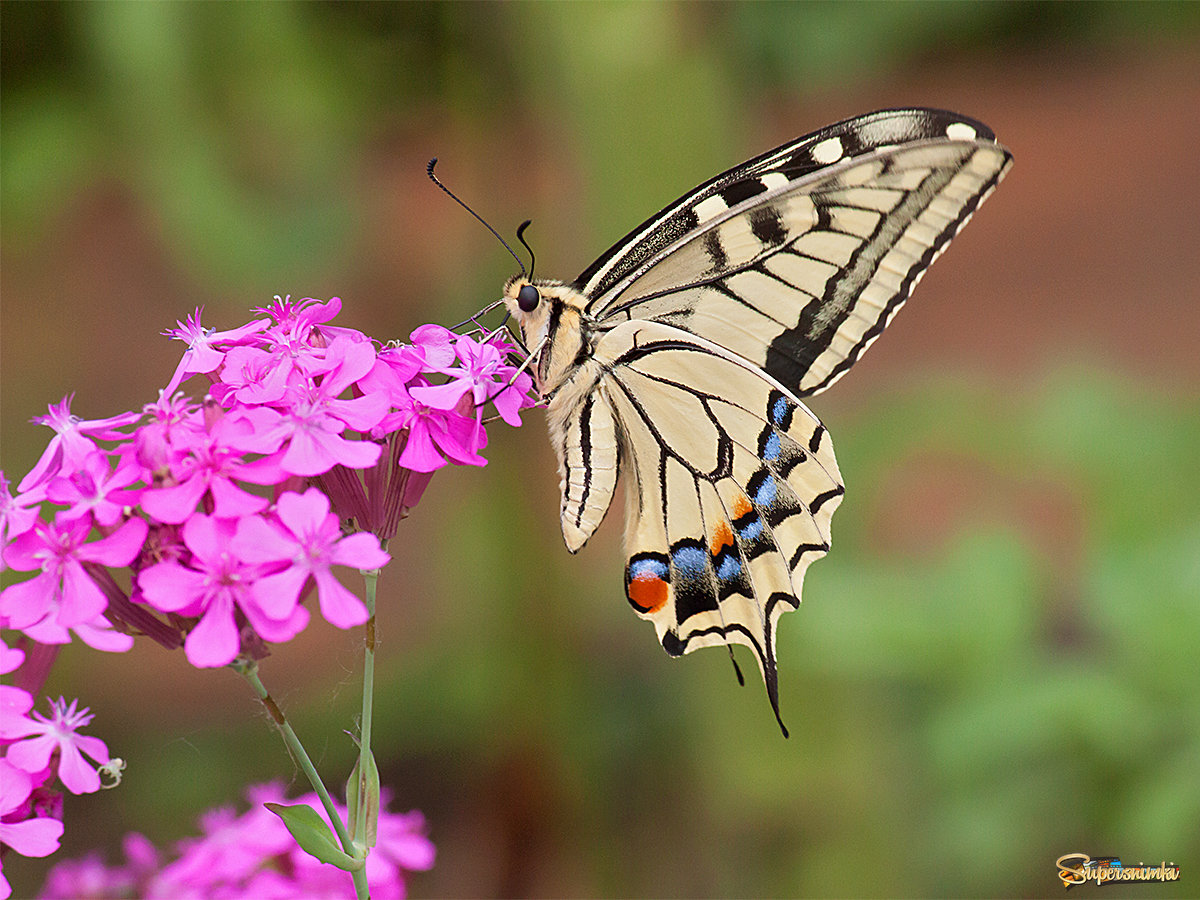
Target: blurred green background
995	666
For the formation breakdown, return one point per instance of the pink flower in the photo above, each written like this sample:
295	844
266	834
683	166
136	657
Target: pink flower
313	425
71	442
211	463
485	376
435	436
201	357
215	585
25	835
59	732
310	543
231	849
94	489
64	587
257	377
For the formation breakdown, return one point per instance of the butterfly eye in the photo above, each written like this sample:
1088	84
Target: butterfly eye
528	298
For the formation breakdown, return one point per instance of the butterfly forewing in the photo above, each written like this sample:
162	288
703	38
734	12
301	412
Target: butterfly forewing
801	279
678	359
790	161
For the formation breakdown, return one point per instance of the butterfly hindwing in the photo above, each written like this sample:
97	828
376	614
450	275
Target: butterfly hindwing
586	444
731	483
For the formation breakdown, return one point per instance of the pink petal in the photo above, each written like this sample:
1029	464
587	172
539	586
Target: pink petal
419	453
258	541
276	630
306	455
33	837
313	452
361	413
15	702
15	787
208	537
354	360
118	549
32	754
170	587
93	748
24	550
277	595
27	602
441	396
231	502
339	606
74	772
99	635
362	551
82	600
301	512
214	640
437	343
174	504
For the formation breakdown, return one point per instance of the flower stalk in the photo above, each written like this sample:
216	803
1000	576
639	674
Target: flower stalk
248	669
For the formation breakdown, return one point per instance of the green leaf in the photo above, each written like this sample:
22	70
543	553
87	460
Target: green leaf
314	836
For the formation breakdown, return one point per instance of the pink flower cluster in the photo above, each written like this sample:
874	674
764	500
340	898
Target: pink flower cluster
208	524
249	856
37	750
345	436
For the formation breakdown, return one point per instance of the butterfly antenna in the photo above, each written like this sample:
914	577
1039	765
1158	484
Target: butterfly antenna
450	193
521	237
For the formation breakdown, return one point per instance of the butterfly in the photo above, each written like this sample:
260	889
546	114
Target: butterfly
678	360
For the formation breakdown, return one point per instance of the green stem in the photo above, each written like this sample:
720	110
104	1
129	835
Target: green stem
371	580
248	669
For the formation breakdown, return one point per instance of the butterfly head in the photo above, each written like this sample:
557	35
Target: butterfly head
550	316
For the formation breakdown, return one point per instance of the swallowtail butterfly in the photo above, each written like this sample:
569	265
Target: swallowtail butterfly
680	357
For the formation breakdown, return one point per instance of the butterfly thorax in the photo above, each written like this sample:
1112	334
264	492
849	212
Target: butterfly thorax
559	335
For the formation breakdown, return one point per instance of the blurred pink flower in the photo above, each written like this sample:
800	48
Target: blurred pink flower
43	736
249	856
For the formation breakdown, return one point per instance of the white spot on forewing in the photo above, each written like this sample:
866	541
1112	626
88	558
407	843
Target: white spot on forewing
772	180
961	131
709	207
828	151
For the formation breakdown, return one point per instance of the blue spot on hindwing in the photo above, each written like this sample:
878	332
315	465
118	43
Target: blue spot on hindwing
765	491
770	445
749	527
689	560
648	567
780	409
692	578
728	567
